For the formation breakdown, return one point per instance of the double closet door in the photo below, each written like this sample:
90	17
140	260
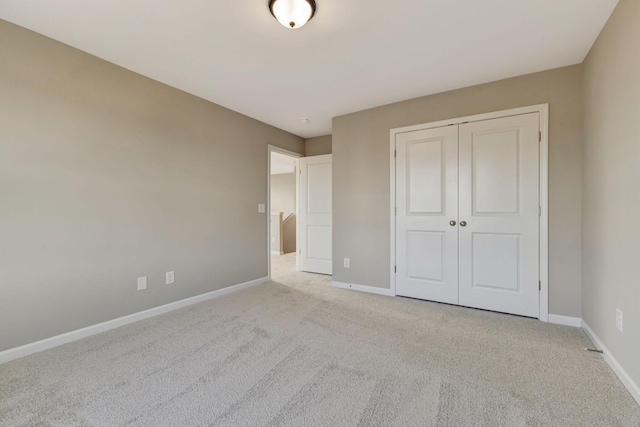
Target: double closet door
468	211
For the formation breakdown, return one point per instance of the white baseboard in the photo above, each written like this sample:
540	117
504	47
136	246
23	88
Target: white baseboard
276	253
628	382
38	346
576	322
363	288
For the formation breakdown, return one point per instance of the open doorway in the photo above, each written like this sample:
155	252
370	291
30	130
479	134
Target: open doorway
282	211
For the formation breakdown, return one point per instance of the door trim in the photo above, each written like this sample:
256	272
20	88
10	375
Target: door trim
543	110
271	149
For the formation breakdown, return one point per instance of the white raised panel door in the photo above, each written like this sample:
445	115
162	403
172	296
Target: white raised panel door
427	201
315	214
499	202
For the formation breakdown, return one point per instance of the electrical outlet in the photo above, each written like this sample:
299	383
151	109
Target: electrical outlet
347	263
170	276
273	240
619	319
142	283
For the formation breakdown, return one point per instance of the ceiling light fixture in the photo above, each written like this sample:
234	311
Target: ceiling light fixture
292	13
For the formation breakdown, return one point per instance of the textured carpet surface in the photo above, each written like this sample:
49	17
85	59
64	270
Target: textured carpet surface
296	352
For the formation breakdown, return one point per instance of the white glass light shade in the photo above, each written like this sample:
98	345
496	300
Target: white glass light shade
292	13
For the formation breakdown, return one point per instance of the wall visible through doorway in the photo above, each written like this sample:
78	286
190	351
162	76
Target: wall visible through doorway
283	199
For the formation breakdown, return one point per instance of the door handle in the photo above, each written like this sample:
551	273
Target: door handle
463	223
452	223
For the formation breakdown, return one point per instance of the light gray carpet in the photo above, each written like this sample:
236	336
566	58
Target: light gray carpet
297	352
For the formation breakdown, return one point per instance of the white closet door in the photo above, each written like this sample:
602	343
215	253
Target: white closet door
427	201
499	215
315	214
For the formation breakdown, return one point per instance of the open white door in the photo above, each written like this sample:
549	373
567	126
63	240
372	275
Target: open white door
315	226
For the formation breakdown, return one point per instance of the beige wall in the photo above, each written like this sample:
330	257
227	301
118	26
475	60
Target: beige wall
317	146
276	233
361	175
105	176
611	255
283	193
283	199
289	235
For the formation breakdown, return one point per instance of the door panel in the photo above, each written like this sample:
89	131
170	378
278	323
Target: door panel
486	250
495	172
424	165
425	268
319	188
318	242
499	201
315	214
427	199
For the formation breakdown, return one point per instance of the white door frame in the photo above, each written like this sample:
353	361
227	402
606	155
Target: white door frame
272	149
543	110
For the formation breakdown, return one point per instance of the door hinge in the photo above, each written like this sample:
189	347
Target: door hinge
395	211
395	268
539	210
300	251
395	153
539	136
539	285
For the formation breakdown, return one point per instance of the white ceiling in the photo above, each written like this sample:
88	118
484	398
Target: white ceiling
352	55
282	164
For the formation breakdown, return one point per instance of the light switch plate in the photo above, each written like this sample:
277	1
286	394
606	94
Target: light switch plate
261	208
347	263
170	276
142	283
